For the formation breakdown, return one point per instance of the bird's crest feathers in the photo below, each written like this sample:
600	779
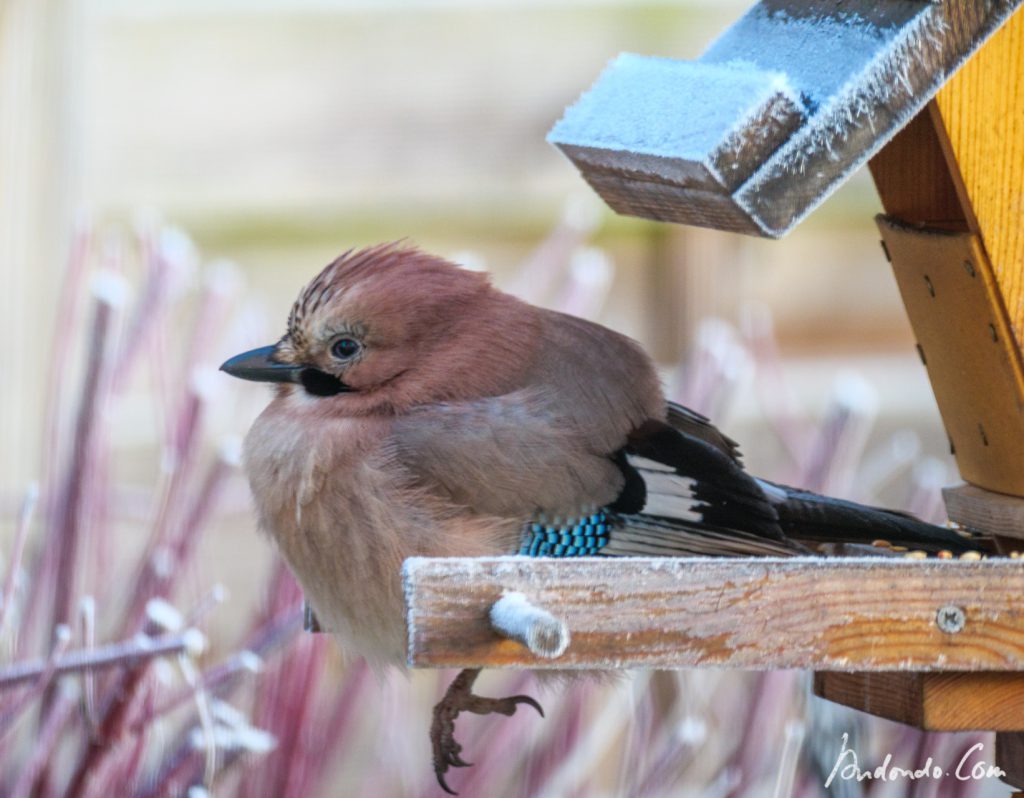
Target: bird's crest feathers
385	275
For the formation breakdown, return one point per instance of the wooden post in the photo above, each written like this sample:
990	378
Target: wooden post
952	185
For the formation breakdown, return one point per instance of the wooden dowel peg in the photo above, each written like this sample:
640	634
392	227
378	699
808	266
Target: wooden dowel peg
514	617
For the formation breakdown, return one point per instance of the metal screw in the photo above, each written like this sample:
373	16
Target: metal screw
970	267
928	282
950	619
992	332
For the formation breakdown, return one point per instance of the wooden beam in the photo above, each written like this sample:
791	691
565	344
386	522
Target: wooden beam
761	613
959	167
914	180
994	513
932	701
689	172
964	337
952	184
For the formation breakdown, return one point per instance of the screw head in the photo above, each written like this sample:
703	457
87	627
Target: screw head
950	619
969	267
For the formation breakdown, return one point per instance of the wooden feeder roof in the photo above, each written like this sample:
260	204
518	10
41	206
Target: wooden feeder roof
779	111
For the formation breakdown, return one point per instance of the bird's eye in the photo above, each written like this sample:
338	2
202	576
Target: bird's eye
344	348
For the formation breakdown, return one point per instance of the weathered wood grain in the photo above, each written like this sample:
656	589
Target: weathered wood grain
963	333
850	614
983	510
932	701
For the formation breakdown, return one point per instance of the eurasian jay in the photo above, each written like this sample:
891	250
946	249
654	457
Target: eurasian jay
419	411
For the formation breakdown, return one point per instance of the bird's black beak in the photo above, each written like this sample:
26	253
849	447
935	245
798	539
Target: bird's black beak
258	365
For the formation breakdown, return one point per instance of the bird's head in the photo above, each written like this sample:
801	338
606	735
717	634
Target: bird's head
389	327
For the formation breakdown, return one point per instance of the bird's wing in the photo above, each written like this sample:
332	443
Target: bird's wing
680	495
664	491
697	499
685	495
807	516
694	424
510	456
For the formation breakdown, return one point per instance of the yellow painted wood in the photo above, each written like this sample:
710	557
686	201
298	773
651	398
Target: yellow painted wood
982	111
953	303
959	167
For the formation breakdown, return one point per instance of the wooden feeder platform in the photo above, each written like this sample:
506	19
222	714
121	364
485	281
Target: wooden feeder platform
843	613
931	96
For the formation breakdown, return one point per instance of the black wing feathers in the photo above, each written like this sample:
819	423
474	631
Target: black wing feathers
808	516
686	492
720	494
692	423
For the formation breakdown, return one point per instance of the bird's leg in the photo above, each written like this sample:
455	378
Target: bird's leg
457	699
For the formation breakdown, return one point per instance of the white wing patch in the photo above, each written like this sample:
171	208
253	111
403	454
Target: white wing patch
673	507
668	494
643	464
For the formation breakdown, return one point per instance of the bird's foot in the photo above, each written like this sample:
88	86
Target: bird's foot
460	698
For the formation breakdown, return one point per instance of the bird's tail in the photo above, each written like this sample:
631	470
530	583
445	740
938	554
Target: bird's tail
806	516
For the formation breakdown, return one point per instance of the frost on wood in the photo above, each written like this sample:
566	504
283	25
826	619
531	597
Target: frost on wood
640	116
827	614
774	116
639	123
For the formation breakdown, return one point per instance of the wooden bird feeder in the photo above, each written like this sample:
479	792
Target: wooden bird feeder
750	138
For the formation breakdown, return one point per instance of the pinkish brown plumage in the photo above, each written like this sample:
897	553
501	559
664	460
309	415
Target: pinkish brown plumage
457	430
421	412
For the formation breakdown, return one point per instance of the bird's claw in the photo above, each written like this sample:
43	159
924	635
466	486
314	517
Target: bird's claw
514	701
460	698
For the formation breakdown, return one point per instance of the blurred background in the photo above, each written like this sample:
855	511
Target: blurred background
211	156
278	134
